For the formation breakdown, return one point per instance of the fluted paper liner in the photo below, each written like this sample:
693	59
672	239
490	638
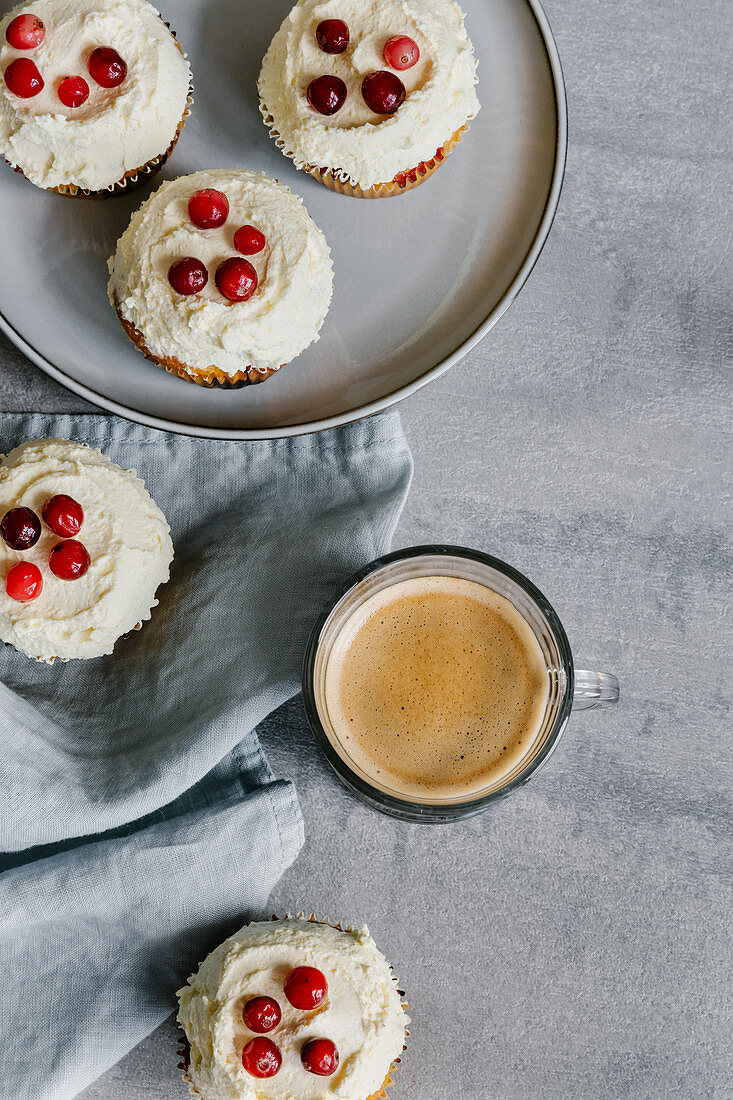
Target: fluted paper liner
136	177
337	180
202	376
380	1094
403	181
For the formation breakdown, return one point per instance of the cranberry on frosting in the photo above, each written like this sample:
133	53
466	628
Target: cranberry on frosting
306	987
188	276
332	35
73	91
261	1057
20	528
407	88
57	603
64	515
236	279
106	67
25	32
111	69
320	1056
249	241
341	1026
327	94
24	582
261	1014
23	79
384	93
253	291
69	560
401	52
208	208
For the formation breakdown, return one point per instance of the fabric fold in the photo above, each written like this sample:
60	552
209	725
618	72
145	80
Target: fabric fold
141	821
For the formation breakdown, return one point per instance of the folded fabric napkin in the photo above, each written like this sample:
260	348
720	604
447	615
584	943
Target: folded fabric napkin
140	821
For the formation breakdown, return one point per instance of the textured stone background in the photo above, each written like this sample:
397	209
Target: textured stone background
572	942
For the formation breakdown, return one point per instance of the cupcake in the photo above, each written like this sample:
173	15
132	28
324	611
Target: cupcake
369	98
93	95
292	1008
222	277
83	548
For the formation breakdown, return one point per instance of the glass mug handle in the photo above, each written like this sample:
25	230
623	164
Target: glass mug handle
594	689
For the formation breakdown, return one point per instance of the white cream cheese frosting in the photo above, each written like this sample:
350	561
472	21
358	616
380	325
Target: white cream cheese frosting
124	531
118	129
294	272
358	145
362	1015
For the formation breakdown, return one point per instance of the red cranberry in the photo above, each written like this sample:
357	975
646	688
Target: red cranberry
305	987
73	91
24	582
69	560
401	52
320	1056
23	78
261	1057
188	276
63	515
106	67
383	92
209	208
236	279
261	1014
332	35
249	241
327	94
25	32
20	528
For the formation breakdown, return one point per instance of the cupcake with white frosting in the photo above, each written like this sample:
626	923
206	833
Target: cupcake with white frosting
292	1008
93	93
222	277
83	549
367	97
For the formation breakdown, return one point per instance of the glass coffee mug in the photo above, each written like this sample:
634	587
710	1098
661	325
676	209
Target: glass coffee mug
569	688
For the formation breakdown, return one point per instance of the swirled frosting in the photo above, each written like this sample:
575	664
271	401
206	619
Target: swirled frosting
124	531
361	146
118	129
295	280
363	1014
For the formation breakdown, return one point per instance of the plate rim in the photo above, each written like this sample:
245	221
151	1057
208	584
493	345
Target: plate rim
402	392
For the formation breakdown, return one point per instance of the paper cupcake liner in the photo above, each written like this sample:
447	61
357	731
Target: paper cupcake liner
131	180
202	376
184	1054
136	177
403	181
184	1050
338	180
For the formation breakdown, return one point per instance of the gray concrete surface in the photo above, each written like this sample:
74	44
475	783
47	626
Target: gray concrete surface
575	941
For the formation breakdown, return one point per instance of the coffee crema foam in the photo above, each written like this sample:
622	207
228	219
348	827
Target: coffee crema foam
436	687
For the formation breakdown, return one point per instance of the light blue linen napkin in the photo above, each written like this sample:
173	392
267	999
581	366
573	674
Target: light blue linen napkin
140	821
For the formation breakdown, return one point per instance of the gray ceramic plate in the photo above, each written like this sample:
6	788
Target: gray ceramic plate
419	279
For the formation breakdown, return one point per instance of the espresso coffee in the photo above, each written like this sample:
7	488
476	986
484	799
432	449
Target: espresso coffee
436	687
